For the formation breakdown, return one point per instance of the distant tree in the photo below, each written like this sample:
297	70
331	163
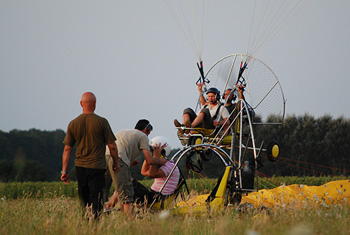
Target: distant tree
33	171
43	147
309	146
6	170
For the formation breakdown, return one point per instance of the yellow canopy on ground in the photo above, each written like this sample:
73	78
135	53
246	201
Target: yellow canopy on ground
335	192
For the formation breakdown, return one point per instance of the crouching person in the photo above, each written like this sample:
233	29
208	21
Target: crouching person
145	196
129	144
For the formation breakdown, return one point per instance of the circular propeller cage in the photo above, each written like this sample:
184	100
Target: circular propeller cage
263	91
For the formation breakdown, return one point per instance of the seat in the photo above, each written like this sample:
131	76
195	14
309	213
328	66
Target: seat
202	135
162	202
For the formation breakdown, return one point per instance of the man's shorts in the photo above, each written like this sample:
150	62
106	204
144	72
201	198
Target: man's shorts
122	181
207	121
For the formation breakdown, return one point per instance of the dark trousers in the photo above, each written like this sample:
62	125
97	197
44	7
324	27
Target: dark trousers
143	194
91	183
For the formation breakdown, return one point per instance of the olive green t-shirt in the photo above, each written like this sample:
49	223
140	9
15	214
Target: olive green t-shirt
90	133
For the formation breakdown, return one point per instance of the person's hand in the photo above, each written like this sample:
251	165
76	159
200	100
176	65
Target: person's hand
109	205
157	150
199	86
116	167
216	123
135	163
65	178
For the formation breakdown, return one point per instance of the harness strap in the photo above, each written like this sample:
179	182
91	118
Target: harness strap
217	111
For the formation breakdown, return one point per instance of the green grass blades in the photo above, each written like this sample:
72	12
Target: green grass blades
62	215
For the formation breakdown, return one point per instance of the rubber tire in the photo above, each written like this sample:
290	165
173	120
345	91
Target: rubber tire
273	150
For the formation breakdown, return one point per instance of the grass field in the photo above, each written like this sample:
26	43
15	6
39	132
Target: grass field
53	208
14	190
63	216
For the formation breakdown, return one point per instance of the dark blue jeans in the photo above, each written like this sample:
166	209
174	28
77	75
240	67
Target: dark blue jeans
91	183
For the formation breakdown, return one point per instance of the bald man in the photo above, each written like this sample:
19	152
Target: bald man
90	133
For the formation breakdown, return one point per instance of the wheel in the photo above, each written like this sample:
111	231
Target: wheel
195	140
273	150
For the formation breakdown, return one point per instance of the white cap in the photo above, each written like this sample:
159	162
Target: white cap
162	141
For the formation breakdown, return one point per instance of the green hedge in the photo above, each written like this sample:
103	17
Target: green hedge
17	190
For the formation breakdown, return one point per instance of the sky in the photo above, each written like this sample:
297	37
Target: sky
133	56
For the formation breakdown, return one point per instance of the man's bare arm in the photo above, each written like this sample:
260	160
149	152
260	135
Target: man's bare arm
113	150
67	151
201	98
151	160
145	168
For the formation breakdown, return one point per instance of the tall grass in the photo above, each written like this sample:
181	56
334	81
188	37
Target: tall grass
52	208
62	215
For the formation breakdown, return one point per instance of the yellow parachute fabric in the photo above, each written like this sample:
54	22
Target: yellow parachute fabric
200	204
332	193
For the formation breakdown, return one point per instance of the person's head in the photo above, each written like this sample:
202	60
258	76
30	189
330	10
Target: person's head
213	95
231	96
164	142
88	102
144	126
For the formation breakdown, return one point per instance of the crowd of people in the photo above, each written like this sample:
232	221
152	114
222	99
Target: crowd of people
103	158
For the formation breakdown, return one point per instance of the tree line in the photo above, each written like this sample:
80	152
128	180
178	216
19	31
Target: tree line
308	147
